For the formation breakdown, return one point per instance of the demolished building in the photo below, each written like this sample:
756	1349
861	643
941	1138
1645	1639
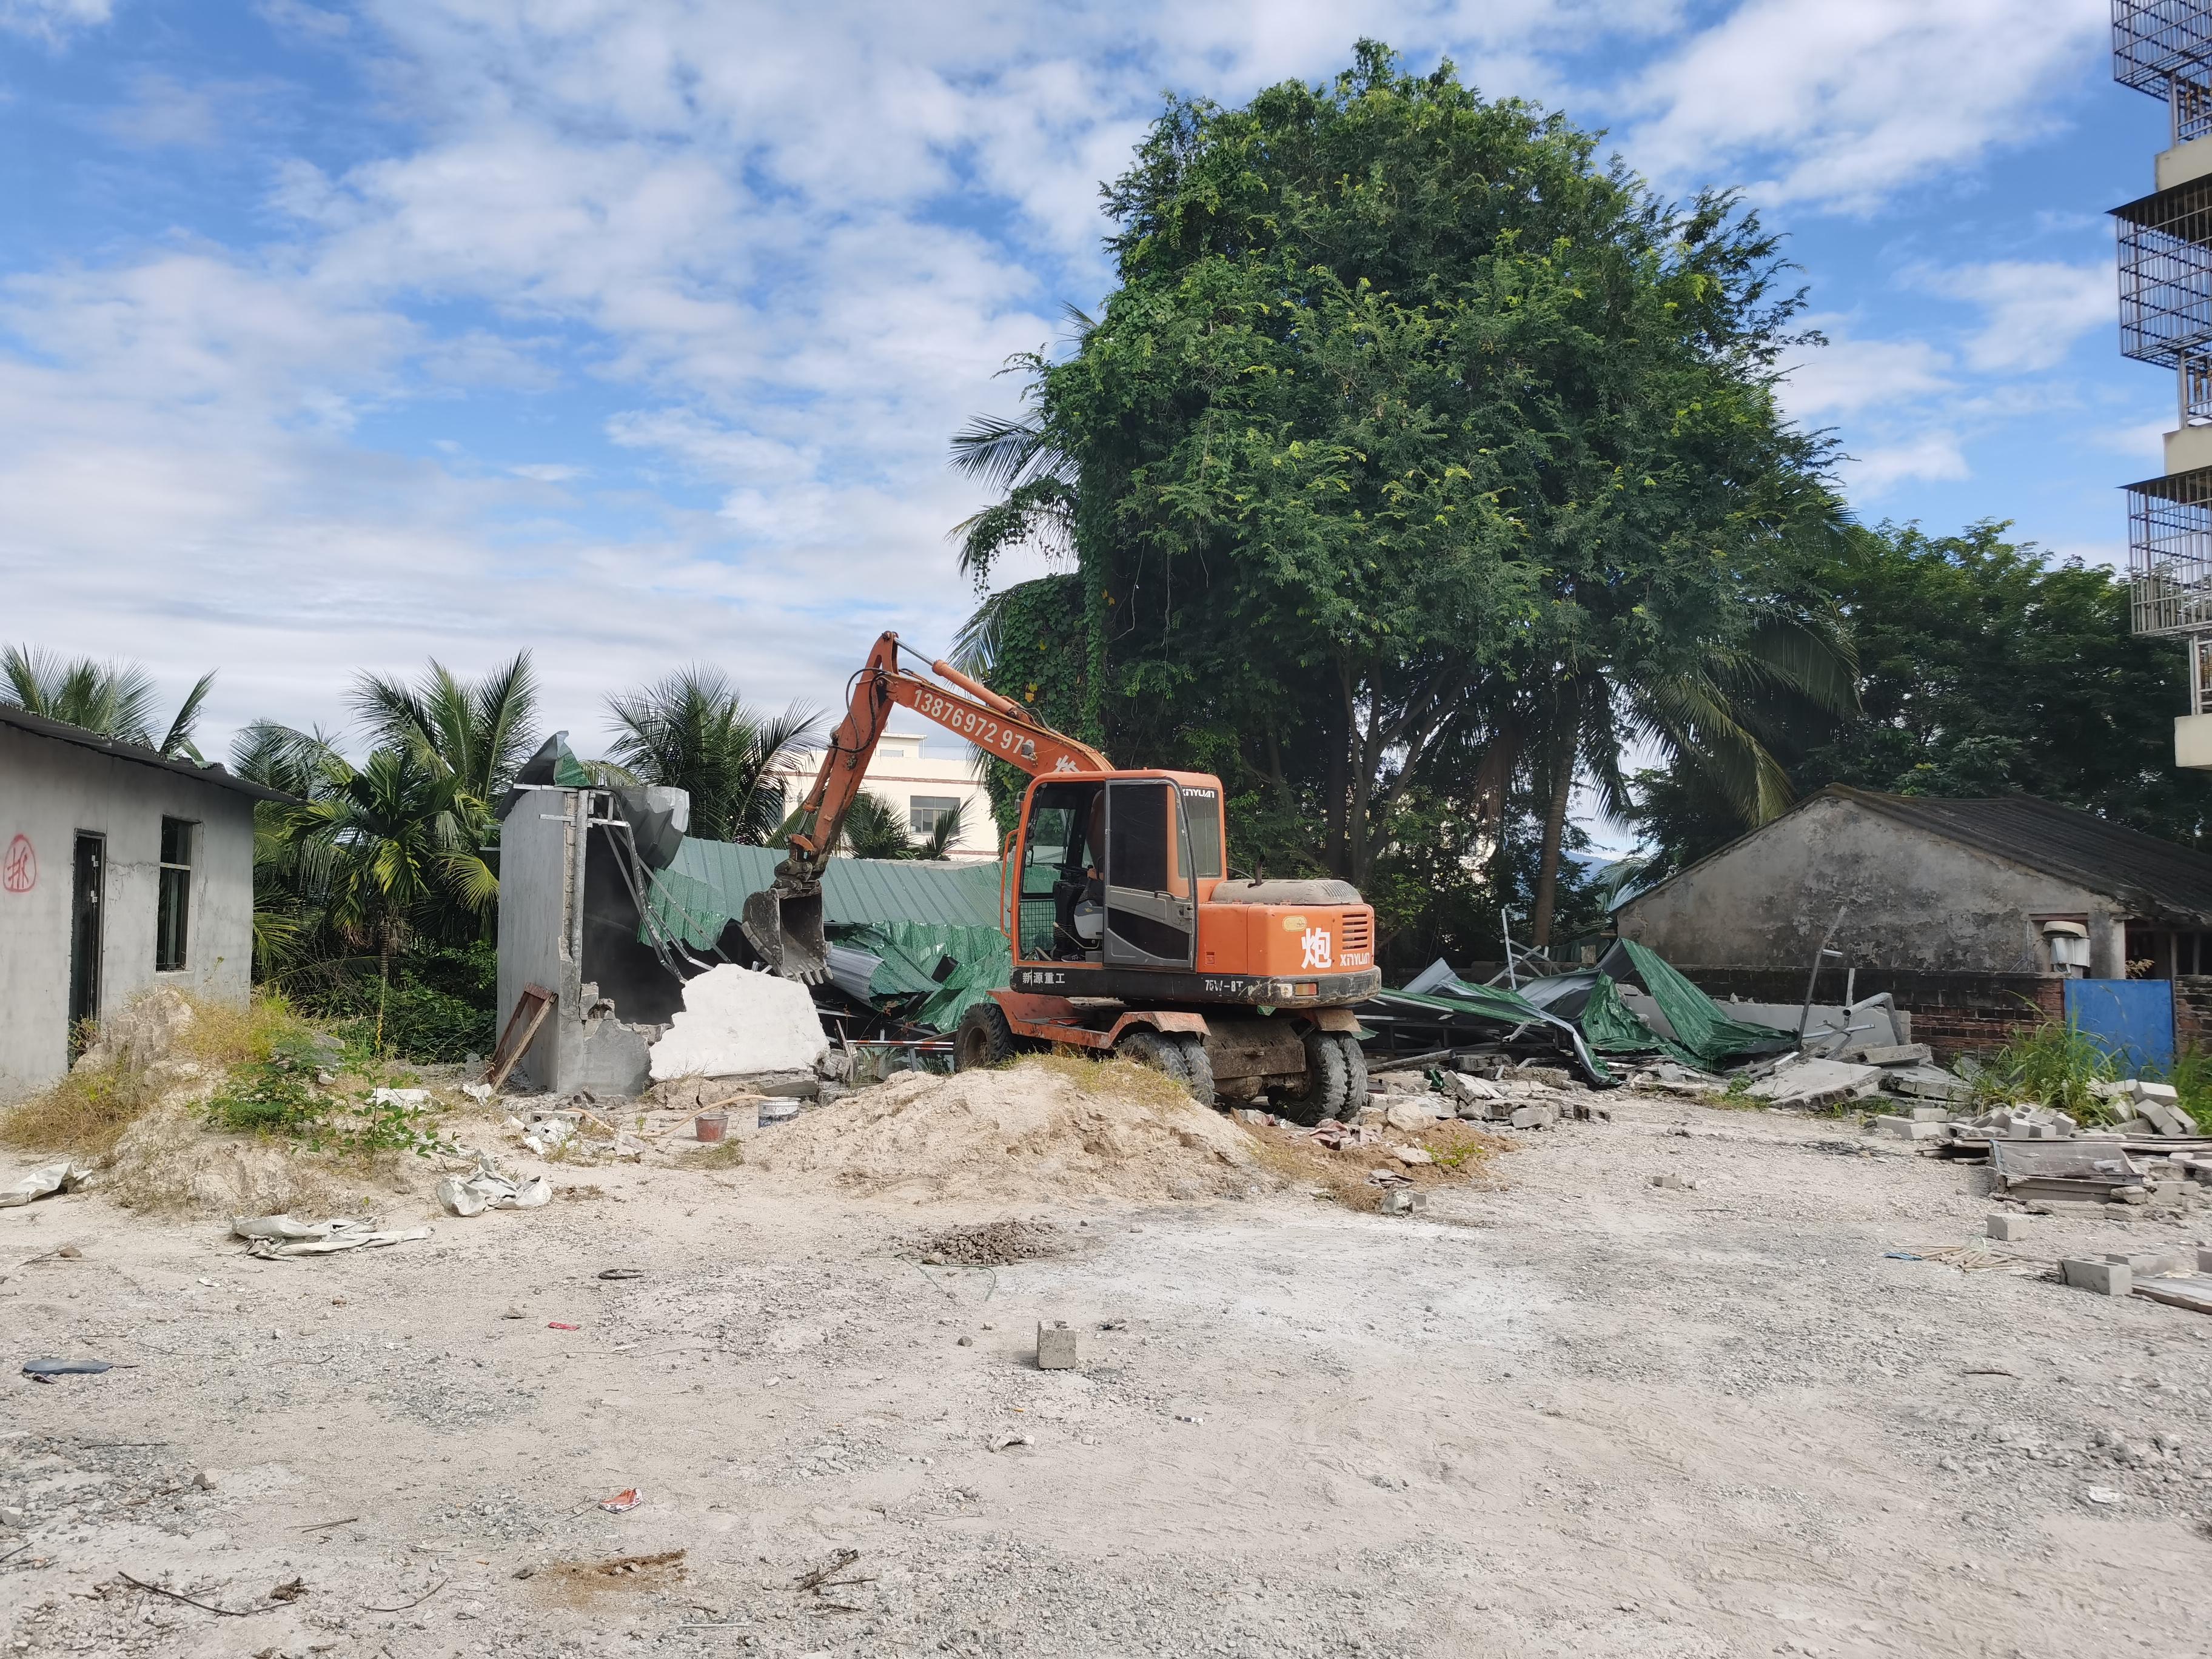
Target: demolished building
609	909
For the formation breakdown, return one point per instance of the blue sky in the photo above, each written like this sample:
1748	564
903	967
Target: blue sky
337	337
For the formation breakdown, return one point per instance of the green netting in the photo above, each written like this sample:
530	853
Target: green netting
1704	1035
912	952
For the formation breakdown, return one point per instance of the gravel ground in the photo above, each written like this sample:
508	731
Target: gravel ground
1577	1414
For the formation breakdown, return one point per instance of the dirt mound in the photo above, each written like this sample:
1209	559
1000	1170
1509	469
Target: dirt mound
995	1244
1042	1129
168	1161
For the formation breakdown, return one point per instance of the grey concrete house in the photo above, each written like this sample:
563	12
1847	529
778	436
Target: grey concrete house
118	870
2008	886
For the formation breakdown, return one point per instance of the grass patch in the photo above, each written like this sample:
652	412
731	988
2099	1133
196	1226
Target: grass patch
85	1114
1122	1077
2052	1064
724	1155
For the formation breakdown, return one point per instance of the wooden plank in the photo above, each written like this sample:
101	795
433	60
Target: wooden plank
529	1010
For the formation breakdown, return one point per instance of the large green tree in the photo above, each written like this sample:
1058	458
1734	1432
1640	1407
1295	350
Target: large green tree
1987	667
1418	455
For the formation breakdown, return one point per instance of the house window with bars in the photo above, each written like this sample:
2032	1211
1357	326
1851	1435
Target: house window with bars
172	923
924	810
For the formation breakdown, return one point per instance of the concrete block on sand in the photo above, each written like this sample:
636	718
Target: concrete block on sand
1056	1347
2105	1278
1817	1083
736	1022
1905	1128
2010	1228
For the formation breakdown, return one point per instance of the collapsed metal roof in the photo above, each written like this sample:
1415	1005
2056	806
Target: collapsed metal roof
704	887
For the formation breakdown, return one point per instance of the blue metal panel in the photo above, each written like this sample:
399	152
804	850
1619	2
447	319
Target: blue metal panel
2130	1019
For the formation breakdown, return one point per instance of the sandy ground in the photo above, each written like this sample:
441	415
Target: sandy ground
1580	1414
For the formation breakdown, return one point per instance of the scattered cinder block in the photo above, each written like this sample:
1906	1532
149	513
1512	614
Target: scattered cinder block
1897	1054
2163	1093
2105	1278
2131	1195
2010	1228
1930	1114
1056	1349
1905	1128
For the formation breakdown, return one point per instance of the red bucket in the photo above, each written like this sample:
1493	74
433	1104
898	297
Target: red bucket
711	1126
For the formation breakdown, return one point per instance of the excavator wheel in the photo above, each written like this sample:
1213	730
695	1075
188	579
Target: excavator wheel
982	1038
1149	1047
1197	1068
1326	1087
1355	1074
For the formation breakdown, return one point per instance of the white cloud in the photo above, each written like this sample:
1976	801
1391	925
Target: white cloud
776	254
2036	309
1848	376
1847	99
1928	456
52	20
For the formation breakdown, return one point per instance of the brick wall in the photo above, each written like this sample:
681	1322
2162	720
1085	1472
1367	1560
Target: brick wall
2192	1012
1954	1013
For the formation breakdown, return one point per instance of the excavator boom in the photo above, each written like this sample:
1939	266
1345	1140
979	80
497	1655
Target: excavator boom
784	921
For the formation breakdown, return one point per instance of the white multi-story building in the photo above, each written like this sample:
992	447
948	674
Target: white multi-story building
921	787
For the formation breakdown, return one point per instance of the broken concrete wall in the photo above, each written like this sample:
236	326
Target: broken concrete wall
592	1039
1911	900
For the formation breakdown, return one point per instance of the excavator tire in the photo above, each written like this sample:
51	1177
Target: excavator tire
1355	1074
1197	1068
1327	1085
1162	1053
982	1038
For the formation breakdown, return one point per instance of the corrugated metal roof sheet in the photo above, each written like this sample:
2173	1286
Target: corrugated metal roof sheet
706	885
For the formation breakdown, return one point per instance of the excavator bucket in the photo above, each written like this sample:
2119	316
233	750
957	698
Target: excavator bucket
785	928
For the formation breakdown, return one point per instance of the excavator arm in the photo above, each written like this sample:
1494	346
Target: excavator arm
784	921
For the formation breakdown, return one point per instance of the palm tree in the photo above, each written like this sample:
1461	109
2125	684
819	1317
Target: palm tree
480	732
872	830
114	699
388	850
289	918
1023	464
691	730
1703	711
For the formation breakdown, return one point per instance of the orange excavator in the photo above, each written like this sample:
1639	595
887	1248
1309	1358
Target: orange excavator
1128	936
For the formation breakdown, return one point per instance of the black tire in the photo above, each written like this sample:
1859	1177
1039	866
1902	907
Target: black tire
1197	1068
1321	1093
1149	1047
1355	1074
982	1038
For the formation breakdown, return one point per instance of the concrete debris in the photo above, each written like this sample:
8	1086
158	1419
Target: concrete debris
738	1023
1056	1347
1814	1085
487	1189
47	1179
1411	1156
1401	1200
2105	1278
1891	1054
1409	1113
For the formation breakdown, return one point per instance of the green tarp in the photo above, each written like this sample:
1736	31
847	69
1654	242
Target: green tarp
1704	1035
705	886
911	952
1457	996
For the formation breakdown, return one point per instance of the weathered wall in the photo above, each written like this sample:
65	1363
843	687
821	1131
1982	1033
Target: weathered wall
582	1044
49	791
534	947
1911	900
